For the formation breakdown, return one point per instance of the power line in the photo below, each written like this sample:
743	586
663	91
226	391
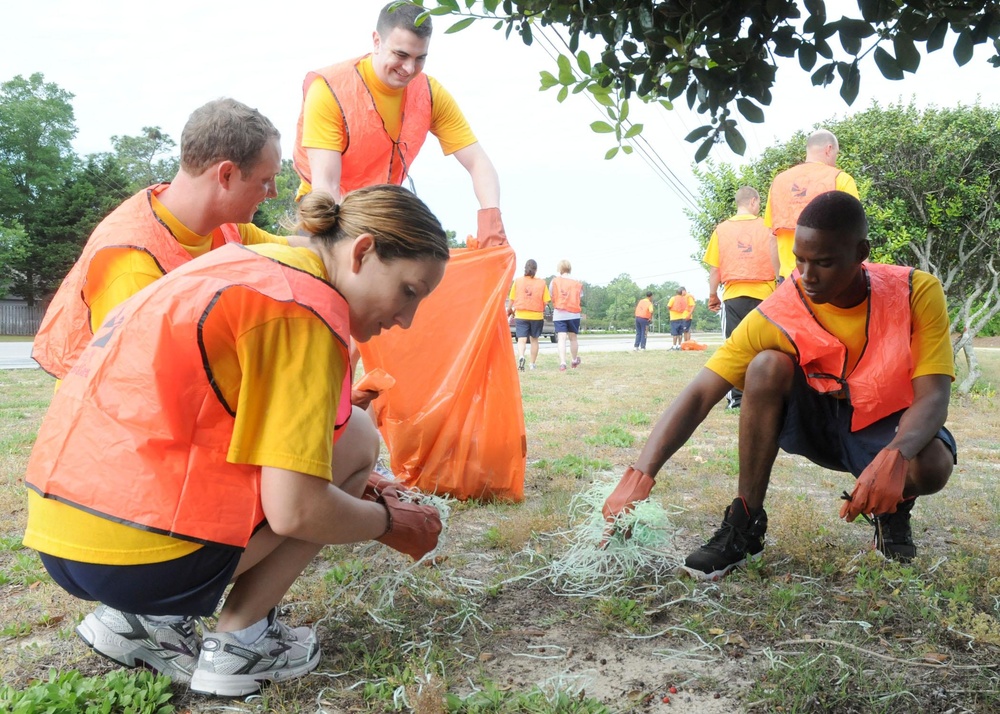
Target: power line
641	145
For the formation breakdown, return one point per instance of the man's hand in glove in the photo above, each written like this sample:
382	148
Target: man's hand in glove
879	487
413	528
633	487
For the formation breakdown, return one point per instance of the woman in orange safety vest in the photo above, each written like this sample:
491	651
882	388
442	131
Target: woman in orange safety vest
566	296
192	443
526	304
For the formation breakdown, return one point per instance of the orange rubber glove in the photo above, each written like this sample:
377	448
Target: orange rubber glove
489	228
879	487
714	303
633	487
413	528
370	386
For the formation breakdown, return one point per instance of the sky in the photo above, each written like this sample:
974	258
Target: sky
132	64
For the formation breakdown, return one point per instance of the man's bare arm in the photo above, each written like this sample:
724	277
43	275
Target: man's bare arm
485	181
326	167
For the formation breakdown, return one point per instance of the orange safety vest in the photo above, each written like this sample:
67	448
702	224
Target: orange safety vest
566	294
881	382
138	432
744	250
794	188
644	309
529	294
65	329
370	155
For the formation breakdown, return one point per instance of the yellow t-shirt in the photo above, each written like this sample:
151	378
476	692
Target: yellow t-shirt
116	274
845	182
323	122
530	314
758	289
284	416
930	343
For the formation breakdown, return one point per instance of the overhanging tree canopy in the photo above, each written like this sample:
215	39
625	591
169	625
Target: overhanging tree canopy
721	54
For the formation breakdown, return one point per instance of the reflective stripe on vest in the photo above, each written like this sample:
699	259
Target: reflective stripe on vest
139	432
529	294
793	189
744	250
566	294
65	329
370	156
881	383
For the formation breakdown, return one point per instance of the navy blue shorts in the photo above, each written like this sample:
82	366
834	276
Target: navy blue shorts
677	327
818	427
567	325
191	585
687	325
528	328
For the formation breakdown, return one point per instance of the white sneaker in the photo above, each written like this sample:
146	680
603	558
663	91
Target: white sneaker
229	668
136	641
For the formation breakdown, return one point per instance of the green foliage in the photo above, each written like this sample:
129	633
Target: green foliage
50	200
723	55
146	159
118	692
611	435
491	699
277	215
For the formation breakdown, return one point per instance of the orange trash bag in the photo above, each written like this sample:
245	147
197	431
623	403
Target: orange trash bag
692	345
454	422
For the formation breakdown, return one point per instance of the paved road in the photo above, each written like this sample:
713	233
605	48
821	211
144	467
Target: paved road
623	343
16	355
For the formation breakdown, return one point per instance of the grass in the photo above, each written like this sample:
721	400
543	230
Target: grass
818	624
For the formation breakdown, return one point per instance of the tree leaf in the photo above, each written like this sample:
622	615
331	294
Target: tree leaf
852	83
634	130
807	57
623	111
612	153
583	62
669	106
936	39
627	149
460	25
907	55
601	127
735	139
563	93
824	75
698	133
566	75
887	64
750	111
548	79
963	48
703	150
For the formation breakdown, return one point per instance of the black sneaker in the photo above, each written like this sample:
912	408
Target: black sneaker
741	535
893	537
520	363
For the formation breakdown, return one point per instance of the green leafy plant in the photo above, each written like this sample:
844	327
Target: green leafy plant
118	692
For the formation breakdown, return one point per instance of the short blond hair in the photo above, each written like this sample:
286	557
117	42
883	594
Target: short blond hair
564	267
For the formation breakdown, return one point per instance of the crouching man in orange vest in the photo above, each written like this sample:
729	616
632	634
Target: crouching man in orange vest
197	441
848	364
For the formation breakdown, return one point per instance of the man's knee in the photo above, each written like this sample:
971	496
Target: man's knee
930	470
770	371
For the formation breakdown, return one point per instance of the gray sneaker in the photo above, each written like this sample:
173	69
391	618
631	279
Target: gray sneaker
229	668
136	641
